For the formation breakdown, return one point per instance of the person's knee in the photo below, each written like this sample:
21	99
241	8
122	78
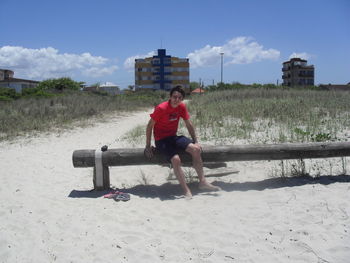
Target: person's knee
175	160
195	149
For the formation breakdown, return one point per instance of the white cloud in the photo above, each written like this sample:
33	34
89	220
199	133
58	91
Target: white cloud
302	55
49	63
129	63
239	50
99	72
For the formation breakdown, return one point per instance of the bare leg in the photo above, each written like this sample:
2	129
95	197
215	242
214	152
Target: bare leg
176	162
195	151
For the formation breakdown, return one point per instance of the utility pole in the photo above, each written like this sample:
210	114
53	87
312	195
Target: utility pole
222	64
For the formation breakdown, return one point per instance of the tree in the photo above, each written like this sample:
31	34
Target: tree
59	84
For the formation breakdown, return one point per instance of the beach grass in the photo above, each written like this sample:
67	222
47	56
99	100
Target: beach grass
29	115
261	116
271	115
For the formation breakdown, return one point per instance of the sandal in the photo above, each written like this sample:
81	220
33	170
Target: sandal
122	197
112	194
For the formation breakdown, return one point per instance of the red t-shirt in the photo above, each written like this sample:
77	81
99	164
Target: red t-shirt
167	119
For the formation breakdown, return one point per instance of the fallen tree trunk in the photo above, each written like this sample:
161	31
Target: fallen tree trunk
121	157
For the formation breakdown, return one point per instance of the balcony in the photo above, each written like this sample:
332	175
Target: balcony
306	75
286	69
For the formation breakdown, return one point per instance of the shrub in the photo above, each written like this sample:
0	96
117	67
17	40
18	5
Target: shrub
59	84
4	98
8	93
35	92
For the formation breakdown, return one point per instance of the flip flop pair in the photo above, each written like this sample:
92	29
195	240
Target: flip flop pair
117	196
110	195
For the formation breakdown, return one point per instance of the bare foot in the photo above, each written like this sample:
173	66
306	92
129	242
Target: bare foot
188	195
208	187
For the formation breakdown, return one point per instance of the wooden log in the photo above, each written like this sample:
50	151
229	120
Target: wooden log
121	157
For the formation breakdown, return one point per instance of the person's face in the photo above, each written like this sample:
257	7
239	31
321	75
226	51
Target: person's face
175	99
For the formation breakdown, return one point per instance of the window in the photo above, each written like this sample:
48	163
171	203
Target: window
179	69
156	61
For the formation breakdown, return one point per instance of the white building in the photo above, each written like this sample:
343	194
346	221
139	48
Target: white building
110	88
8	81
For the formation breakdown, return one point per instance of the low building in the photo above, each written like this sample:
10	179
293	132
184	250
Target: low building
198	91
296	72
90	88
110	88
339	87
162	72
8	81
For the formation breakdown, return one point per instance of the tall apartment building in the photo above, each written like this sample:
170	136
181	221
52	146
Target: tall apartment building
296	72
162	72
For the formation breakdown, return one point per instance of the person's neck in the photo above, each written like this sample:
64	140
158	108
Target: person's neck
173	106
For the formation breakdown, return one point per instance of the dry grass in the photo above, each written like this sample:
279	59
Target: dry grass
271	116
30	115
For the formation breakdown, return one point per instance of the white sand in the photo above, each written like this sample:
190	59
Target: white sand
47	213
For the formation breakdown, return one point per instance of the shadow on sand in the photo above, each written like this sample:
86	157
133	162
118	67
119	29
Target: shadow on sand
170	191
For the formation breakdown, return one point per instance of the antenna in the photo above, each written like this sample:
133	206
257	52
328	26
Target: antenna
161	43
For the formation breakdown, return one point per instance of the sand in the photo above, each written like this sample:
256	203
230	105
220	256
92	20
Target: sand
48	212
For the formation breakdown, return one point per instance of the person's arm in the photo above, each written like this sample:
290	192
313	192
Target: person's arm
148	149
149	130
191	130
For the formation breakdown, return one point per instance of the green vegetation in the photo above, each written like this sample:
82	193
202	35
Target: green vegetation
46	88
260	115
270	114
7	94
58	103
59	84
237	85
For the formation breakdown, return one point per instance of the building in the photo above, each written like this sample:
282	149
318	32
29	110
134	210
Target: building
336	87
8	81
296	72
198	91
109	88
162	72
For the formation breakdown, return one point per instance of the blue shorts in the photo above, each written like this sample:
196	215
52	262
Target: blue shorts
171	145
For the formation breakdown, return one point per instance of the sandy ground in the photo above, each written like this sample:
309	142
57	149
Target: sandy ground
49	214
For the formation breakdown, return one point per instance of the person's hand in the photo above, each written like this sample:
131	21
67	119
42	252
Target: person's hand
148	152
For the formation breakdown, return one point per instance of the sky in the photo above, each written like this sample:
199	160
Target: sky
97	41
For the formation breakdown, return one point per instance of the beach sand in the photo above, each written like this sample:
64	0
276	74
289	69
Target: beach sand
48	212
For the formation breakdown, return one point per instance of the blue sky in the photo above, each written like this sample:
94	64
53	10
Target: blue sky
97	41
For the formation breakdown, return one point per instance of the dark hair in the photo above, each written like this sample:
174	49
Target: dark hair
178	88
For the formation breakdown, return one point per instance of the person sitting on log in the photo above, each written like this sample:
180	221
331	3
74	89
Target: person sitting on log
164	124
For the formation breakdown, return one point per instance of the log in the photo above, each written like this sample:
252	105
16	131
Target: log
121	157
